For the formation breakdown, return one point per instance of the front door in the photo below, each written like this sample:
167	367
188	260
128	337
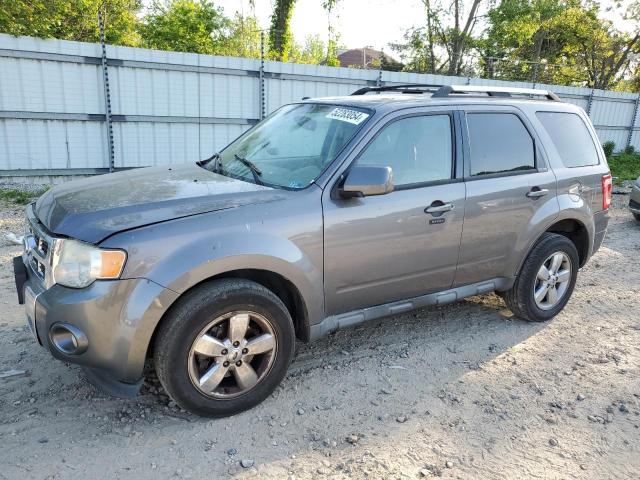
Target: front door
404	244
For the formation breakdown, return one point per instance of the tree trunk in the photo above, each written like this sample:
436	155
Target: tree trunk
280	33
432	54
459	37
538	40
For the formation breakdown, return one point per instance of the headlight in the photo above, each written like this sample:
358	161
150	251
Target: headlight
77	264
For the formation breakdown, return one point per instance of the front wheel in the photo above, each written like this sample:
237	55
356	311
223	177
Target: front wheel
637	217
546	280
224	348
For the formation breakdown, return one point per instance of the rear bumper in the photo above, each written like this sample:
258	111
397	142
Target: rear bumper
600	222
634	199
113	322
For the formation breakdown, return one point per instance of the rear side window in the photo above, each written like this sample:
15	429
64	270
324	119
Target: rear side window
499	143
570	137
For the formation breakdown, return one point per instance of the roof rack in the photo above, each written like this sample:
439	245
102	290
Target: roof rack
403	88
443	91
448	90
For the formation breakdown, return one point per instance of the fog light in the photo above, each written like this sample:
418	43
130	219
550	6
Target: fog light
68	339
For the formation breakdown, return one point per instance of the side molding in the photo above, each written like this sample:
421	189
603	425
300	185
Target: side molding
357	317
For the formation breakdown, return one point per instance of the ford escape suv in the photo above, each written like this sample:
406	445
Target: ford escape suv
329	213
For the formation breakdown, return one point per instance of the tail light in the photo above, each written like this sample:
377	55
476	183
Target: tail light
607	188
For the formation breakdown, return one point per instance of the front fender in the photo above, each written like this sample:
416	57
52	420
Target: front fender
184	252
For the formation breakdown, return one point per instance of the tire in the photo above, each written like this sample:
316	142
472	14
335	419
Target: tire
521	298
637	217
181	367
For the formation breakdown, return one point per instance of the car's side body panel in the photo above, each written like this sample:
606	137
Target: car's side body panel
385	248
283	237
500	219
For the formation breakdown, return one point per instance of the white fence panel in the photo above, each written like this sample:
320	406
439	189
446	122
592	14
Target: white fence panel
171	107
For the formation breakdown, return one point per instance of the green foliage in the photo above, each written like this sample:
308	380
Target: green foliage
630	150
625	166
20	197
313	51
71	19
609	147
555	41
280	37
241	38
185	26
441	45
391	65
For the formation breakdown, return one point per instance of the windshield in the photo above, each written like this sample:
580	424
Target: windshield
290	148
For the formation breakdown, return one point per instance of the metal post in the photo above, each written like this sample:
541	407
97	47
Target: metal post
263	111
634	119
590	102
107	95
535	74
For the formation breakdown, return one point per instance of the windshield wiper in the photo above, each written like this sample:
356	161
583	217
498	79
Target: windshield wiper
217	164
255	171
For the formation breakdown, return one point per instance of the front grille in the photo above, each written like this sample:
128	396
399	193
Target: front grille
38	246
40	241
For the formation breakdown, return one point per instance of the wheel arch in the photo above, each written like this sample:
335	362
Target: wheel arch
575	231
281	286
570	227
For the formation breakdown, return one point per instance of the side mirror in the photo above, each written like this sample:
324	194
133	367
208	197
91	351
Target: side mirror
364	181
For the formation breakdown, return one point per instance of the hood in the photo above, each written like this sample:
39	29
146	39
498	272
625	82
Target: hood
92	209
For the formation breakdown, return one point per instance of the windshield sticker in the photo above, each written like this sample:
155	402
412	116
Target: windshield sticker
347	115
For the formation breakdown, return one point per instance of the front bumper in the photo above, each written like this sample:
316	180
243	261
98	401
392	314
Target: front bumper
117	319
634	200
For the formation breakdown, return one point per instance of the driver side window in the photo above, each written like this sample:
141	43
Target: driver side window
418	149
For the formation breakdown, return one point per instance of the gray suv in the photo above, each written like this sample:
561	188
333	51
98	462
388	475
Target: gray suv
331	212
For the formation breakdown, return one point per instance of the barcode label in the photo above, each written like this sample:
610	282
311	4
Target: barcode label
347	115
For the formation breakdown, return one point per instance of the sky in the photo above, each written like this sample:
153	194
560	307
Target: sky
360	23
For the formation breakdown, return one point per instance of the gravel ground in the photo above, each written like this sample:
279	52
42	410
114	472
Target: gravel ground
462	391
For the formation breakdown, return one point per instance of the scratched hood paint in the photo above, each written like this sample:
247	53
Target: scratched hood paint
92	209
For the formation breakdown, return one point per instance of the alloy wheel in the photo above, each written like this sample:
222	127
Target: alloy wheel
232	354
552	280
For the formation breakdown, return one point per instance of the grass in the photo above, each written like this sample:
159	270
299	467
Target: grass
19	197
625	166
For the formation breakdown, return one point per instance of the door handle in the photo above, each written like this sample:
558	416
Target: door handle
439	207
537	192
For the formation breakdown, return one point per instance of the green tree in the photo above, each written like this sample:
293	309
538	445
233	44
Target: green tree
443	43
71	19
555	41
280	37
313	51
241	38
185	26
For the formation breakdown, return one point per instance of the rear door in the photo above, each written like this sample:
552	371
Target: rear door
509	190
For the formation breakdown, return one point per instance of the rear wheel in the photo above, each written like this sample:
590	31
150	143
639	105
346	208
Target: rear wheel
637	216
546	280
224	348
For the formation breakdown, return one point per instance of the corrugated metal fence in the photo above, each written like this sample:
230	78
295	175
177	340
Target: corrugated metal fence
169	107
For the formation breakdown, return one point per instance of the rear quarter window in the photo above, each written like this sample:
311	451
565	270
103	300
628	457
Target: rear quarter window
571	138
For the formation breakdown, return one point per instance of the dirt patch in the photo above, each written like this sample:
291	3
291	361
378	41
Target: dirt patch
462	391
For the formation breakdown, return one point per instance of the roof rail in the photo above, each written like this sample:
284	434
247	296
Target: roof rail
448	90
403	88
